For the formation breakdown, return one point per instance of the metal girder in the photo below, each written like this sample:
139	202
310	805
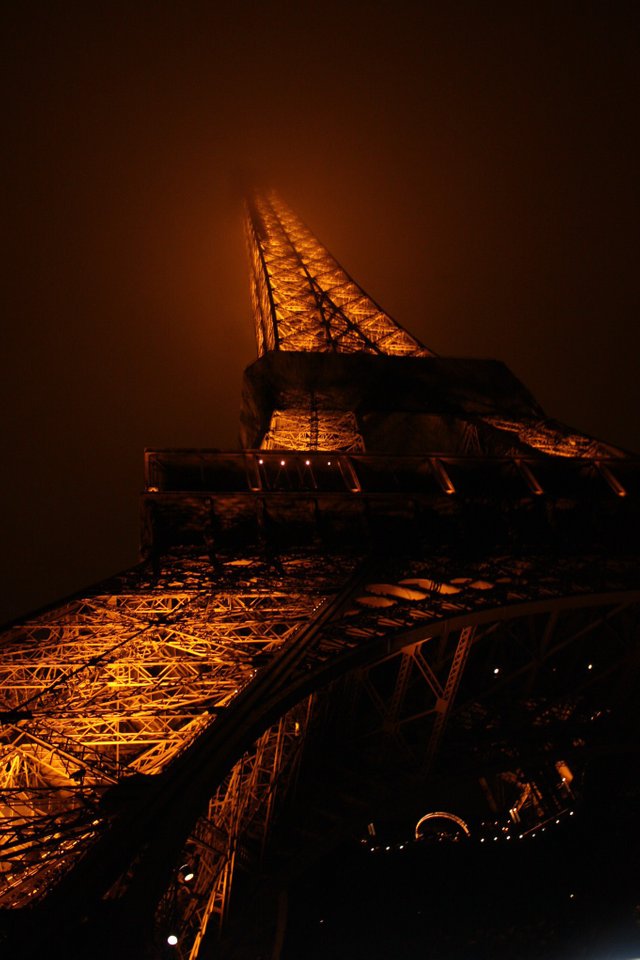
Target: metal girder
165	723
231	834
148	728
571	655
313	429
445	702
304	300
113	686
555	439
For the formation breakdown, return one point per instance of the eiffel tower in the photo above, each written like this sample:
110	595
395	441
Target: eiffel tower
409	579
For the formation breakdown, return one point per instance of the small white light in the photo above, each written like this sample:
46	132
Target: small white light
188	877
496	671
282	463
260	462
589	666
172	939
328	463
307	462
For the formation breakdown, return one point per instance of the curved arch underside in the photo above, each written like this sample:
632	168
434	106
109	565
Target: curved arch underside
422	637
437	584
442	815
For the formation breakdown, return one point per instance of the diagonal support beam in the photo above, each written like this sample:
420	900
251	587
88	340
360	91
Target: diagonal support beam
445	703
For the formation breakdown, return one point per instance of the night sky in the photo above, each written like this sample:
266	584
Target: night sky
473	165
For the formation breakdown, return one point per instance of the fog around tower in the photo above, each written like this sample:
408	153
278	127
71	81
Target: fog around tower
474	170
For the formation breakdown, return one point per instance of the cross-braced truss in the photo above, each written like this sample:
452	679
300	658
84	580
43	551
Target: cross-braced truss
129	680
313	429
552	438
485	682
116	685
498	668
302	297
127	716
232	833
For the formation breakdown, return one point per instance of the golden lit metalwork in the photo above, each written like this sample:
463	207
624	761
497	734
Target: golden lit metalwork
304	300
552	438
123	681
233	831
257	601
117	684
296	429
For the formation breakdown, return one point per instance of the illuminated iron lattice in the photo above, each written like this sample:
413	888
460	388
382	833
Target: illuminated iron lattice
237	819
314	430
304	300
119	683
553	438
139	681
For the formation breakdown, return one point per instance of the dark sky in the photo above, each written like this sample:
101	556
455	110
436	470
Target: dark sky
473	165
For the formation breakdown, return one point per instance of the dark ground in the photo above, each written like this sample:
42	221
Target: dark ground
572	893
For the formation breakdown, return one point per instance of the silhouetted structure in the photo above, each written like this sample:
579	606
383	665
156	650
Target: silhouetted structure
409	568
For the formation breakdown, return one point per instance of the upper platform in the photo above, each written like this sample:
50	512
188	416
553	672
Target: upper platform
353	431
336	373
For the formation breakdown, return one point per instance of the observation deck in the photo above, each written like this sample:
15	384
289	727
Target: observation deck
211	496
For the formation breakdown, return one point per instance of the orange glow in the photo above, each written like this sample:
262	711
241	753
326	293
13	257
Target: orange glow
442	815
299	429
552	438
119	683
564	771
304	300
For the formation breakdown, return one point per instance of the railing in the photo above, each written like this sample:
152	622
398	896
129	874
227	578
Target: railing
312	473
